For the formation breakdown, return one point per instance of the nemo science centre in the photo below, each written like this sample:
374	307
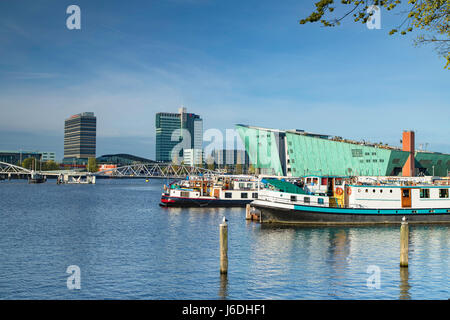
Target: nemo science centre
298	153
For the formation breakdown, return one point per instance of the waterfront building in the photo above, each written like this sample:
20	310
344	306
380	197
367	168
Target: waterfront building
80	133
231	159
103	167
48	156
299	153
193	157
17	157
121	159
166	125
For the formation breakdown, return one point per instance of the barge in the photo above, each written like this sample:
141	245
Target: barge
217	191
321	200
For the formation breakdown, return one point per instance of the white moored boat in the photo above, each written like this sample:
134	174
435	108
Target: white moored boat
354	200
216	191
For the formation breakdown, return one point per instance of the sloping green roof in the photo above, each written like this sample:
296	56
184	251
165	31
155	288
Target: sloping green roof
284	186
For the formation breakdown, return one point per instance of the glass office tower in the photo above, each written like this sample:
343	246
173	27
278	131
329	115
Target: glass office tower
167	137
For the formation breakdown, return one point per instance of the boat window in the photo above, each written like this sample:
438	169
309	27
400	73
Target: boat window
367	190
315	180
391	190
405	193
241	185
374	190
255	195
244	195
320	201
381	190
338	182
228	195
308	180
293	198
184	194
306	199
425	193
443	193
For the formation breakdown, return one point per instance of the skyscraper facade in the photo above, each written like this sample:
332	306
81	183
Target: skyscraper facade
80	132
172	128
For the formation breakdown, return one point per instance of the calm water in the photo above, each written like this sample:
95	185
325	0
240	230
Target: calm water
127	247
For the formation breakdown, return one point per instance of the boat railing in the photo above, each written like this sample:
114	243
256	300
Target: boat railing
308	203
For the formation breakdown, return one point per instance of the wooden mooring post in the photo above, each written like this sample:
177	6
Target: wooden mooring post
404	243
248	215
224	246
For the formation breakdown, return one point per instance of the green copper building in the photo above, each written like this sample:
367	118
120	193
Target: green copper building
299	153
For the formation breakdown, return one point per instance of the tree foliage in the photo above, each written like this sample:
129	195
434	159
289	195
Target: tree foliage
429	16
32	163
92	165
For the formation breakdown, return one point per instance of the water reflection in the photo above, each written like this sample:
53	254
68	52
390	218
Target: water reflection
404	284
223	290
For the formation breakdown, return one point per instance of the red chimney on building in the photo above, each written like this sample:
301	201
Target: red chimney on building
409	146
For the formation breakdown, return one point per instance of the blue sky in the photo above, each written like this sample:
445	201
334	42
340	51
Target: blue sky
229	61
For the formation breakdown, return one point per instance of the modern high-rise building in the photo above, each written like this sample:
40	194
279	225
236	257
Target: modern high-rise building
173	128
80	132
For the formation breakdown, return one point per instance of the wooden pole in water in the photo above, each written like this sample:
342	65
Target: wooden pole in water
404	246
247	212
224	247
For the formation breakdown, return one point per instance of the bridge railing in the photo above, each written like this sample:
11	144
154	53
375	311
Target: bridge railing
155	171
8	168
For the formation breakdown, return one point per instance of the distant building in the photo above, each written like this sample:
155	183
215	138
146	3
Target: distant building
231	159
80	133
17	157
224	157
103	167
121	159
48	156
193	157
167	137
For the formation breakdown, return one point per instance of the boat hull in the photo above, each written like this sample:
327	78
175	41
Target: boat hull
340	216
37	180
167	201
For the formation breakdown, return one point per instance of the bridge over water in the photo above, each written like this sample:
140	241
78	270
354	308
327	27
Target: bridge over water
148	171
155	170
